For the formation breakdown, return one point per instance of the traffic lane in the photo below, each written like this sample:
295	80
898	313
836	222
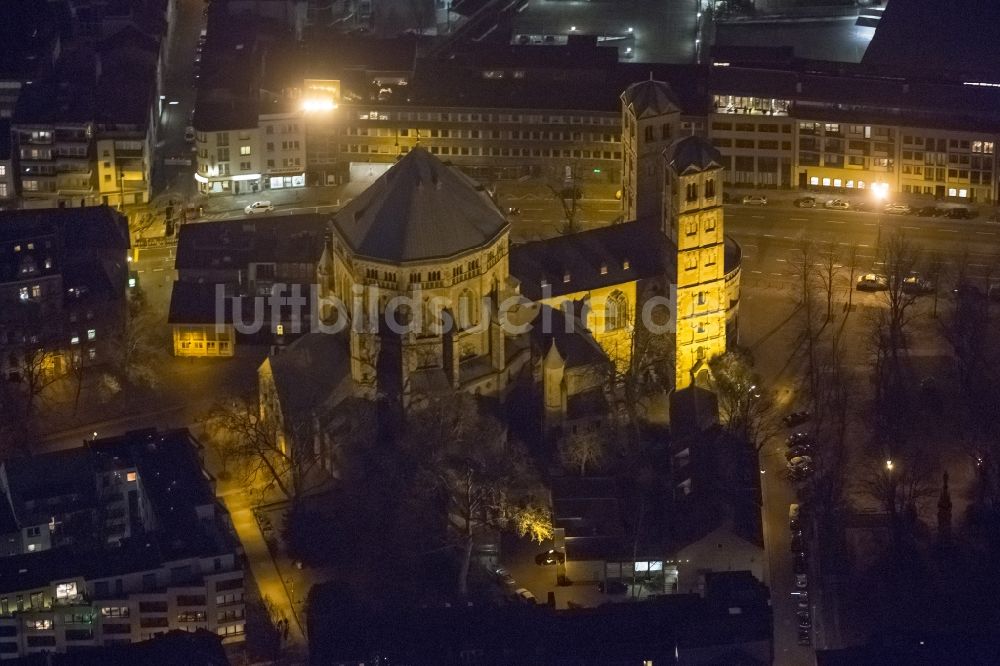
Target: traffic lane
797	222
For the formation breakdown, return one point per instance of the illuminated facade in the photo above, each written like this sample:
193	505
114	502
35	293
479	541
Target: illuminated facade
650	123
693	219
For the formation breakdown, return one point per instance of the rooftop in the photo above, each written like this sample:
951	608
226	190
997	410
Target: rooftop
589	260
234	244
420	209
650	98
693	153
311	371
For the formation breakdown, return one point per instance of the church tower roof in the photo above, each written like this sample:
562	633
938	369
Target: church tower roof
693	153
420	209
650	98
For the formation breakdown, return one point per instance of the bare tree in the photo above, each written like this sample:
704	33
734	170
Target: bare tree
900	484
38	372
584	448
267	452
483	480
852	263
745	407
829	273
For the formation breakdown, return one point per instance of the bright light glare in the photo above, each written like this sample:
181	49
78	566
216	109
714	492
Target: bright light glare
888	465
880	190
316	104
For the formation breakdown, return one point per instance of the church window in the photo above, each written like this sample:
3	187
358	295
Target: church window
702	297
467	315
709	188
691	262
691	228
665	131
615	312
692	191
649	134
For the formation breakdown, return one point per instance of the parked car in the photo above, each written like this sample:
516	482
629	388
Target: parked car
797	438
930	211
258	207
914	284
801	595
806	202
799	474
800	564
524	596
872	282
513	210
550	557
838	204
798	451
754	200
967	290
803	616
801	581
896	209
805	624
802	604
960	214
612	587
796	418
793	517
503	577
862	207
800	461
805	637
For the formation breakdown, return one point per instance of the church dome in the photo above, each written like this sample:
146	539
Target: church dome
420	209
650	98
693	153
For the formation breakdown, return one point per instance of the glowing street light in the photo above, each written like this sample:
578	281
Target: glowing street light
318	104
888	465
880	191
630	30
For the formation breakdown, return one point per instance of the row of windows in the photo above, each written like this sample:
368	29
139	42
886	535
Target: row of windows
517	135
763	144
769	128
447	116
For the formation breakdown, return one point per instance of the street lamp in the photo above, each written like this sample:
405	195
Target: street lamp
888	465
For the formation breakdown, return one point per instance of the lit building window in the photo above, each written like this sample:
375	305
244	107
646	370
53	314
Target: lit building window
244	150
837	182
814	180
952	192
861	184
91	333
130	477
36	291
75	340
826	182
850	184
963	193
615	312
65	590
23	293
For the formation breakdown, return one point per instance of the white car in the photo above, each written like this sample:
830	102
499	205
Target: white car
258	207
897	209
838	204
754	200
524	596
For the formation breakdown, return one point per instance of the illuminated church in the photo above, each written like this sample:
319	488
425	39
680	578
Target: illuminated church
552	314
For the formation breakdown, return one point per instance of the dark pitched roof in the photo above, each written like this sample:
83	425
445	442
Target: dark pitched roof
573	342
693	153
93	227
592	259
651	98
233	244
311	371
420	209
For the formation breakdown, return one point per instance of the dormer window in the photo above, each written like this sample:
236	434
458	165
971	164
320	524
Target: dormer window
626	264
604	269
545	283
566	277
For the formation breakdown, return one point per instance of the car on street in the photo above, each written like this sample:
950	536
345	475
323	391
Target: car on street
929	211
800	461
805	638
754	200
550	557
804	618
796	418
966	290
838	204
798	543
806	202
800	565
802	605
524	596
801	581
798	451
258	207
862	207
872	282
797	438
612	587
793	517
513	210
801	595
959	214
503	577
914	284
896	209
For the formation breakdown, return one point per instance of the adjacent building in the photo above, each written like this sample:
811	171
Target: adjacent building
63	284
125	543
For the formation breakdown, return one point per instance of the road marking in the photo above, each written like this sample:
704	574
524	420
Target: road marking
836	222
758	272
757	217
798	219
776	274
986	233
768	235
863	245
950	231
783	260
978	265
914	228
869	224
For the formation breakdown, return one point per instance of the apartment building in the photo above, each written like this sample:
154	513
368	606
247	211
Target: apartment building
7	164
32	44
152	548
283	141
63	277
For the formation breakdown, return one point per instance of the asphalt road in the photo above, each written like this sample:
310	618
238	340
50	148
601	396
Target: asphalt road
771	238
